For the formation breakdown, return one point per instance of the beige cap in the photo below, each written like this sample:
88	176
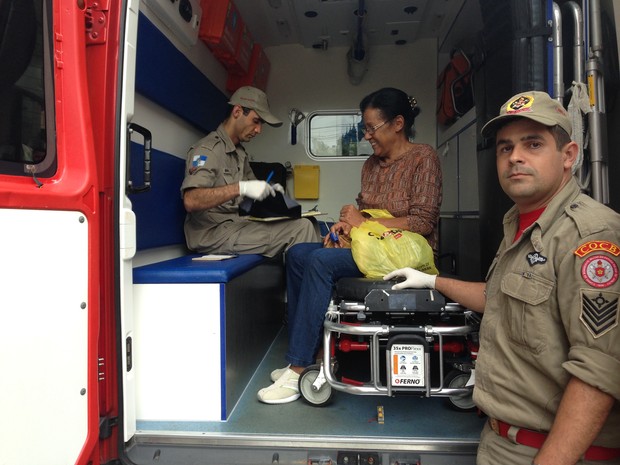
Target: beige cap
255	99
535	105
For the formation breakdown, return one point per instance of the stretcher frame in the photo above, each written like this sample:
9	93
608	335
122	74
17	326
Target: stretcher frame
317	381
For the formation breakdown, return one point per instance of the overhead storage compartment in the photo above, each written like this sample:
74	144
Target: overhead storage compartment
257	75
221	28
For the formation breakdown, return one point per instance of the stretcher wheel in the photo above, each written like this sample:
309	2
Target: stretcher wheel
315	397
457	379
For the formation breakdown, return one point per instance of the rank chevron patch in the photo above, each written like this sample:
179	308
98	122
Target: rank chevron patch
599	311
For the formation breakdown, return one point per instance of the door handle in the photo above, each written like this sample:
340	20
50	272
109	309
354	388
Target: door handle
146	135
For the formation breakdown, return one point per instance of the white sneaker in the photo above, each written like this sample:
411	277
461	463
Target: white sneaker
284	390
275	374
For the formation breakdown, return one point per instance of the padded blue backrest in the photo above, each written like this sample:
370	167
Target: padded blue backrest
159	211
165	76
186	270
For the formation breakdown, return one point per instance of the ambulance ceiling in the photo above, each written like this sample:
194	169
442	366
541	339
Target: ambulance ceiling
333	23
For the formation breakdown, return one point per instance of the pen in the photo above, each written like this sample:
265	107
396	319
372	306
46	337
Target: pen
269	176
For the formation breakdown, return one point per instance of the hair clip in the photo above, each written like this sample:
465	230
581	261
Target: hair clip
413	102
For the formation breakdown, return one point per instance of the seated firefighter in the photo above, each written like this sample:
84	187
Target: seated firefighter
218	177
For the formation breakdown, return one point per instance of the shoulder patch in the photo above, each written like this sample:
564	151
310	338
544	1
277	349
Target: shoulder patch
197	162
599	271
597	246
599	311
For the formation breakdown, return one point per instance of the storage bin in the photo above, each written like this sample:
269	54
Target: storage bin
257	75
239	64
221	28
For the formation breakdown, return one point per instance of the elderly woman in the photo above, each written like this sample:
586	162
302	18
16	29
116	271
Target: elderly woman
402	177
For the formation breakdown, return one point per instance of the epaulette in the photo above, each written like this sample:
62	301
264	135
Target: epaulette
588	215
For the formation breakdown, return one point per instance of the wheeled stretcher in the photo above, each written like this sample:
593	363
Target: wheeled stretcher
379	341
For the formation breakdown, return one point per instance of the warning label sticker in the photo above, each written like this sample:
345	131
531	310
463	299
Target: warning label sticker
407	365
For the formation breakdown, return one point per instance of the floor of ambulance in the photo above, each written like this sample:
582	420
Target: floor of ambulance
346	415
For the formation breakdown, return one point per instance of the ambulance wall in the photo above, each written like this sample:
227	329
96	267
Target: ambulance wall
310	80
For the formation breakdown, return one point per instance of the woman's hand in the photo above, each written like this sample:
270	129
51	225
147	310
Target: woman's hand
351	215
337	231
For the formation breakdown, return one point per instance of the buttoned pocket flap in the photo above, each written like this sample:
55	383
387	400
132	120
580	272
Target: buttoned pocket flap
527	287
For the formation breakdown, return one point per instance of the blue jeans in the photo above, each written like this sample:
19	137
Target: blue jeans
311	272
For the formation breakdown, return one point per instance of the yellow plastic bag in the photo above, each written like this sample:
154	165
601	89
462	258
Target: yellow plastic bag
378	250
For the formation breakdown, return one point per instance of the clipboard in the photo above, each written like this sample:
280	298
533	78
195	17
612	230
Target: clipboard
278	206
308	214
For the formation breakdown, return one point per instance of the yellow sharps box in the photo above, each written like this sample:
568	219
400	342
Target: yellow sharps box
306	181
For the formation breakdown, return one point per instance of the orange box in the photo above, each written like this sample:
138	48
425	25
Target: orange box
240	62
220	28
257	75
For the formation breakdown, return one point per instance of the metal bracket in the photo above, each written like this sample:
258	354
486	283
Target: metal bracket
96	19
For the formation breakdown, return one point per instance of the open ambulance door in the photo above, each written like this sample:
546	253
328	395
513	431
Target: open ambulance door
49	237
64	223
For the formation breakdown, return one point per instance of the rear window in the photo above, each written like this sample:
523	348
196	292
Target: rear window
336	135
26	119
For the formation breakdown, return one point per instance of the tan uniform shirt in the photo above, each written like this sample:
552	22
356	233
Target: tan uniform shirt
214	161
552	313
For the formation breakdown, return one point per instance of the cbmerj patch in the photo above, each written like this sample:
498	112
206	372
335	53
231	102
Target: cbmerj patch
197	162
599	311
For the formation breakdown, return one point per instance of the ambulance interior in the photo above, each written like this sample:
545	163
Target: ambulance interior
177	354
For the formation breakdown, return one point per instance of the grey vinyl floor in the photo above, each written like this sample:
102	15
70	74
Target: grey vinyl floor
346	415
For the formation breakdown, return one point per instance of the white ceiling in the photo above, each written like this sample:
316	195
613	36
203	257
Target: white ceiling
279	22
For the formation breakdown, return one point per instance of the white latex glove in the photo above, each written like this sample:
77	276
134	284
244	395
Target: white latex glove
257	190
278	188
413	278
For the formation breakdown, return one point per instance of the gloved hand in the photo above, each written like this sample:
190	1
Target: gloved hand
257	190
278	188
413	278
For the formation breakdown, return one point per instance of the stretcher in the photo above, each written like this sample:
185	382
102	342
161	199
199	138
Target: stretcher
384	342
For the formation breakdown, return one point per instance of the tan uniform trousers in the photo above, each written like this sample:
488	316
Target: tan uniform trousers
496	450
268	238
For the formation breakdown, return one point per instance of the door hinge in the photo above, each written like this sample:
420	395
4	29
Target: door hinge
96	17
105	426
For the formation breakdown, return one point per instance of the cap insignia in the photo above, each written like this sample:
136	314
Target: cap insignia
520	104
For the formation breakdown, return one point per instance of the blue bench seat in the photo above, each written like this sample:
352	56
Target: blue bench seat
201	329
186	270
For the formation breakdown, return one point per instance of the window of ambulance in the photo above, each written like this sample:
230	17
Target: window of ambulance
336	135
27	147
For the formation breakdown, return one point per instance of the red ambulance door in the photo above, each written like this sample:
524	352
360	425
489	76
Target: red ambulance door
52	189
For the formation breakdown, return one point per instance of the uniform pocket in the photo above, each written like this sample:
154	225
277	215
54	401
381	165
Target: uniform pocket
228	176
528	308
